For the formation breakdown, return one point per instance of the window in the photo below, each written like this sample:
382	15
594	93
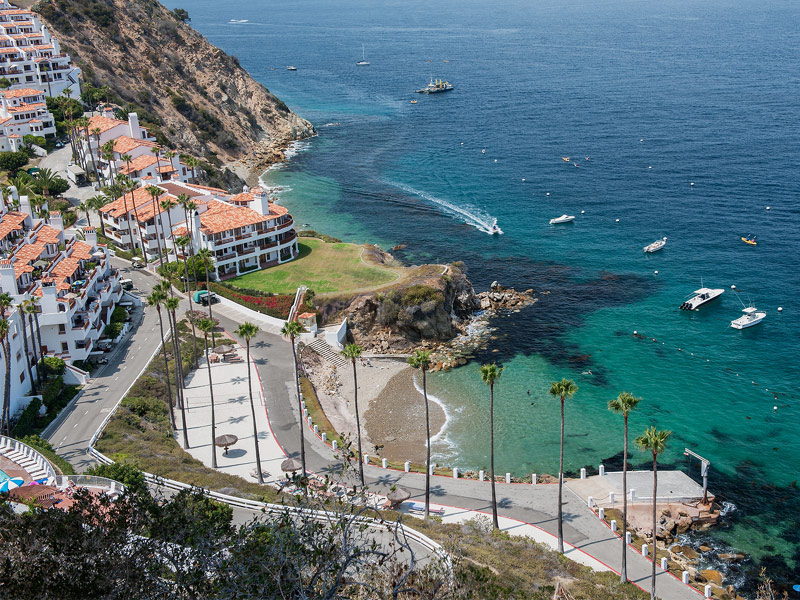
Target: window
62	328
64	347
22	377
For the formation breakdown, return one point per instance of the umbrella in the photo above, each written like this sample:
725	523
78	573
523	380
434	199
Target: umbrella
291	465
223	349
223	441
10	484
397	495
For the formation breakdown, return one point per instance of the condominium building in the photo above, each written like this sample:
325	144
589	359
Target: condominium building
71	282
30	57
23	112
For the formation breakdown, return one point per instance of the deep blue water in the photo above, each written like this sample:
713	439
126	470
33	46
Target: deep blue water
657	95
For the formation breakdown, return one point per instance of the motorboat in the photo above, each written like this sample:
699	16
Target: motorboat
565	159
562	219
363	62
291	68
494	229
702	296
656	246
749	239
436	86
752	316
413	102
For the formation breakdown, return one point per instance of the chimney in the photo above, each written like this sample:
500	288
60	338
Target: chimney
90	235
260	201
49	301
8	280
13	193
195	225
25	205
133	126
56	220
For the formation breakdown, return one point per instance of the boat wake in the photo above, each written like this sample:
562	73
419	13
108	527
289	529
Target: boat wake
471	216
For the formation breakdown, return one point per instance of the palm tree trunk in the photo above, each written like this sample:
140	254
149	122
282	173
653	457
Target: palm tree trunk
213	421
191	312
89	144
179	379
25	347
6	416
158	238
623	576
166	368
358	426
560	485
174	247
253	411
491	456
655	488
41	348
428	439
35	353
138	230
208	293
300	406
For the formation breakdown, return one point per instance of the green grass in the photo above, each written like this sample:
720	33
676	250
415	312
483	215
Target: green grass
320	266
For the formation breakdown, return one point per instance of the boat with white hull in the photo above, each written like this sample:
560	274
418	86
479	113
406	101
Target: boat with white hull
562	219
702	296
752	316
656	246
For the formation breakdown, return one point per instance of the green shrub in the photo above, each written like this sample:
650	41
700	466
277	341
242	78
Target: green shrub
142	406
12	161
112	330
45	449
119	315
55	366
128	475
419	294
51	393
27	419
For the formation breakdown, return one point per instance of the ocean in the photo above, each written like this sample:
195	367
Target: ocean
679	119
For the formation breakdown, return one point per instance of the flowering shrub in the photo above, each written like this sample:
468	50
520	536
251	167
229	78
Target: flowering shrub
274	306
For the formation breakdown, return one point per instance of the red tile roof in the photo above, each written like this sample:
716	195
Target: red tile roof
138	163
116	209
104	123
22	93
124	144
11	221
221	216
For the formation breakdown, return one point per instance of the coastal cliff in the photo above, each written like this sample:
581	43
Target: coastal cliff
189	93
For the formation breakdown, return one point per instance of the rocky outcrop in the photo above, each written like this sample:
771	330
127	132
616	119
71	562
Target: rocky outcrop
499	299
193	94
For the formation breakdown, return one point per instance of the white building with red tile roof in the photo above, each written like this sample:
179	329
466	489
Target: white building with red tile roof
30	57
73	284
23	112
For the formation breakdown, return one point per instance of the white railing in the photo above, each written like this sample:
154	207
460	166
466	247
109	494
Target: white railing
298	297
66	481
19	453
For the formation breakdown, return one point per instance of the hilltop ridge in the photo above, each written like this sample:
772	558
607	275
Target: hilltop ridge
188	92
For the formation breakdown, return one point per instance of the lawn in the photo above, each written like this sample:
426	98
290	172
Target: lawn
322	267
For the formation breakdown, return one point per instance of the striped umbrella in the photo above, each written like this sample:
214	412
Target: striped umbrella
10	484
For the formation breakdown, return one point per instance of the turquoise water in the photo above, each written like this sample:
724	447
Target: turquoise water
657	96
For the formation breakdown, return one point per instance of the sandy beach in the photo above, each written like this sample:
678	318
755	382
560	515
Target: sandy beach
392	411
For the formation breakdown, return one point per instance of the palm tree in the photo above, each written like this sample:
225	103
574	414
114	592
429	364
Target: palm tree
82	207
155	299
655	442
169	155
30	310
623	405
172	305
293	329
248	331
563	389
207	325
490	373
352	352
206	259
82	125
166	206
421	359
192	162
96	203
96	133
5	424
181	242
155	193
157	152
23	317
46	178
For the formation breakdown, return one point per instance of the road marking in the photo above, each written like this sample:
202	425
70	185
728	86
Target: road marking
74	426
117	377
87	412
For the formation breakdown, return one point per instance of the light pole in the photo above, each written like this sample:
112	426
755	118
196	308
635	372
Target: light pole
705	464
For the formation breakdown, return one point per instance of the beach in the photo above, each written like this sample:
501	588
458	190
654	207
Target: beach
392	410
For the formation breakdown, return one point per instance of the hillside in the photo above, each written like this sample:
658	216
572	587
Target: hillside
190	92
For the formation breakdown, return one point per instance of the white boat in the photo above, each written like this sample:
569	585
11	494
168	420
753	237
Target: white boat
291	68
363	62
752	316
702	296
494	229
656	246
562	219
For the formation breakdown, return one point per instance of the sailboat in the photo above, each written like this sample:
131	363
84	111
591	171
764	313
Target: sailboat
363	62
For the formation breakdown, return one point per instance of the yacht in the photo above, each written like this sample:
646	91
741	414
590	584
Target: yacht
562	219
291	68
752	316
363	62
656	246
436	86
702	296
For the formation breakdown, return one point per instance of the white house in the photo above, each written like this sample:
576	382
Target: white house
23	112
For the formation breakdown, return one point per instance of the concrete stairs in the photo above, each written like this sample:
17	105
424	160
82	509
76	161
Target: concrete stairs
321	347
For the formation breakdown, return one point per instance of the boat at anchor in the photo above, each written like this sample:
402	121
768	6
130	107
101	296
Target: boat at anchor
656	246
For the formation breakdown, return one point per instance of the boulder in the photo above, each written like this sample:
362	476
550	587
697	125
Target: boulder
732	556
712	576
687	551
704	548
684	524
495	285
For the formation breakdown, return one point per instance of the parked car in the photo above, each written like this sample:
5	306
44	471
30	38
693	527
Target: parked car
137	264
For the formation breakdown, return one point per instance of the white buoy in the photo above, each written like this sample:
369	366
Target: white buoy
462	143
523	180
692	184
768	208
733	287
483	151
548	193
495	160
641	139
649	167
780	309
655	272
774	408
617	220
583	212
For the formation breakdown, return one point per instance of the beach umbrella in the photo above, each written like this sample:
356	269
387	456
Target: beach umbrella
290	465
225	440
397	495
223	349
10	484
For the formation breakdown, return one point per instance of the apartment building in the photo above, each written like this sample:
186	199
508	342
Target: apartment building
30	57
23	112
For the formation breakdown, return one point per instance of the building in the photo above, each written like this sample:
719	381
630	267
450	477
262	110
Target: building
30	57
72	283
244	232
23	112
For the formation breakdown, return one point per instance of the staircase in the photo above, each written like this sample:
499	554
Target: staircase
321	347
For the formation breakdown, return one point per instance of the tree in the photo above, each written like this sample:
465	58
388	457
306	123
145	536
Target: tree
5	422
154	300
155	193
623	405
166	206
182	15
206	259
655	442
96	131
172	305
181	242
206	326
192	163
248	331
490	373
421	359
352	352
13	161
563	389
96	203
84	208
292	329
23	317
33	318
5	83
